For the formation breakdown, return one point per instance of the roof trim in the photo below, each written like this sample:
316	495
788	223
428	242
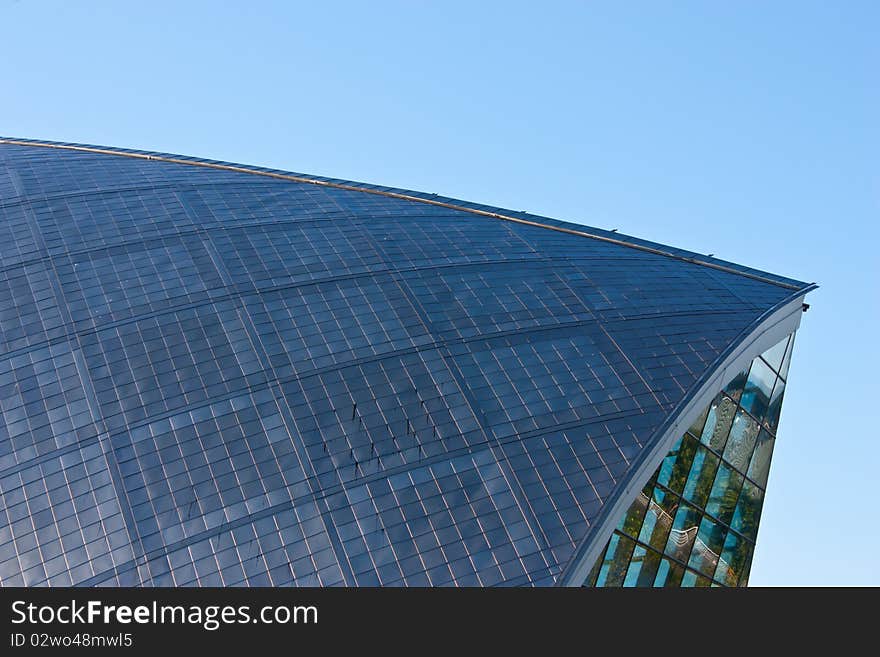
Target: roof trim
768	329
406	196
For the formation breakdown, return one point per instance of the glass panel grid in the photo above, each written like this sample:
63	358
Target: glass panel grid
696	521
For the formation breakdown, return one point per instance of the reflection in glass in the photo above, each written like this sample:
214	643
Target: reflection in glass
725	492
674	470
658	519
748	510
760	465
786	362
718	423
707	539
733	557
756	395
742	439
702	475
775	407
773	356
707	546
684	531
636	563
616	563
668	574
734	389
632	520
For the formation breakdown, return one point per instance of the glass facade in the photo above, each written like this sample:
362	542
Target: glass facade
217	375
696	521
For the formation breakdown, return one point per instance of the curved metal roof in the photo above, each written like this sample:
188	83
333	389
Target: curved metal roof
210	376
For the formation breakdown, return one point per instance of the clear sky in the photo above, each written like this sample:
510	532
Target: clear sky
745	129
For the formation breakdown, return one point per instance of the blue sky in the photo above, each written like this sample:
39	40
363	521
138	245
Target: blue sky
748	130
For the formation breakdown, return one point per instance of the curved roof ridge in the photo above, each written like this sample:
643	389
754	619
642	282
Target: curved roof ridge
435	200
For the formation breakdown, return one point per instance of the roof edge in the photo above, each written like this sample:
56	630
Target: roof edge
768	329
432	199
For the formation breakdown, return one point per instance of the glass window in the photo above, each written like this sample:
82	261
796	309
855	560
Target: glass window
691	579
748	510
636	563
725	491
775	406
734	555
735	388
616	563
648	571
743	435
677	464
756	395
759	468
697	427
775	354
786	362
718	423
668	574
707	546
684	531
700	508
658	519
631	523
701	476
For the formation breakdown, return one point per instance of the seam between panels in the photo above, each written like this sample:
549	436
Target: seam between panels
513	483
300	376
604	522
397	195
74	343
336	489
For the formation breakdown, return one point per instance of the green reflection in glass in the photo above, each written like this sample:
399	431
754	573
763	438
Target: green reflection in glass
713	531
658	519
668	574
707	546
724	495
748	510
702	475
635	566
733	558
677	464
631	522
684	531
648	572
691	579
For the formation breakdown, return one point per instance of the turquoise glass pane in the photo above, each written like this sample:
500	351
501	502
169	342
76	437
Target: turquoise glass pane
675	467
748	510
668	574
684	531
756	396
725	493
707	546
658	519
701	476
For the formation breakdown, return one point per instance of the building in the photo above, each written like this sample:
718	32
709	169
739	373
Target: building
214	374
